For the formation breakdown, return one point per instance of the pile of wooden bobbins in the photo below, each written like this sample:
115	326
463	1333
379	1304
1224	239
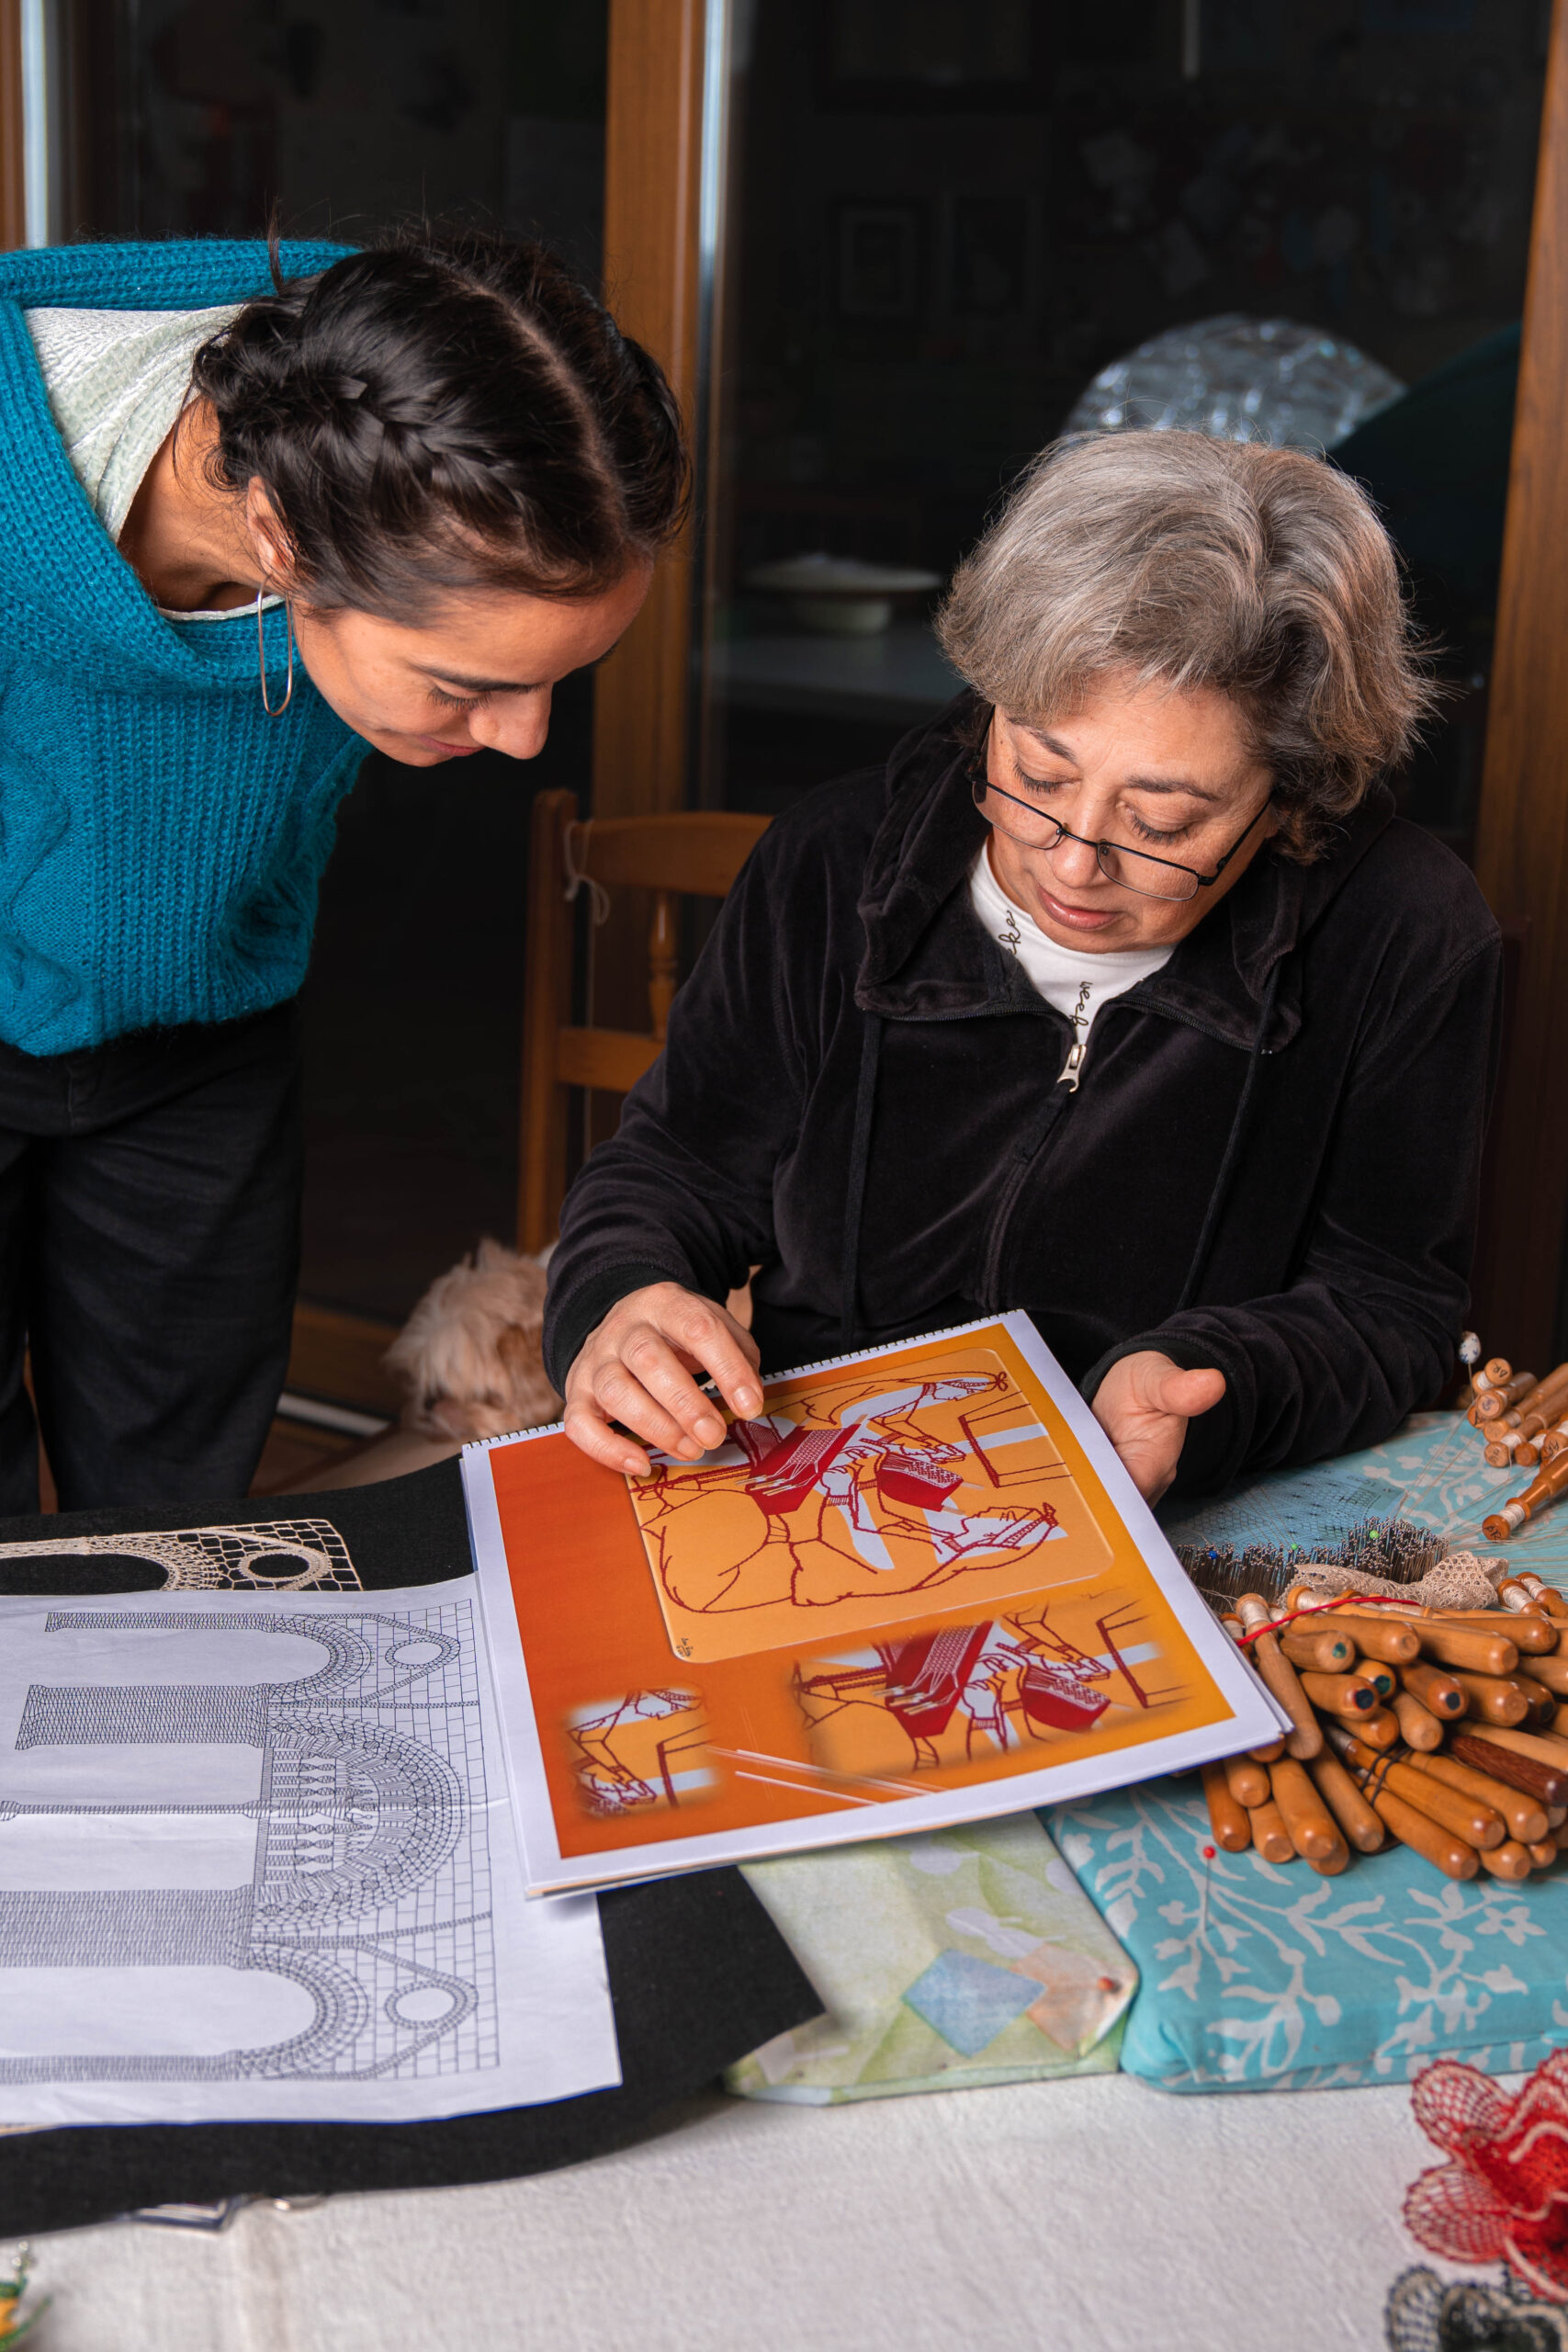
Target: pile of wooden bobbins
1523	1422
1445	1730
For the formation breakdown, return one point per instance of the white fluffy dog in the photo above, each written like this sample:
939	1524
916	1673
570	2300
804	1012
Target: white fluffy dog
469	1354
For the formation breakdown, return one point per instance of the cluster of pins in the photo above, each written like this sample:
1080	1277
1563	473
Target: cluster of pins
1523	1422
1445	1730
1393	1549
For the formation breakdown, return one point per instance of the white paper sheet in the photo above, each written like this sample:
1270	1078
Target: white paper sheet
258	1859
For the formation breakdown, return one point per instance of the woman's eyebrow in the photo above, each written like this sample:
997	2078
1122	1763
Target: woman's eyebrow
1170	784
477	686
1132	783
498	685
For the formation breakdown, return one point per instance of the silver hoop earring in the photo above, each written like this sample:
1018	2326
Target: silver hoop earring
275	710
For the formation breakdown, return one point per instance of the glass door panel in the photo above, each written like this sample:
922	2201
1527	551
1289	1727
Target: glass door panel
950	222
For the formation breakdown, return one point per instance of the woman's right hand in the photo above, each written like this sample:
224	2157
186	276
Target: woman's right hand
637	1366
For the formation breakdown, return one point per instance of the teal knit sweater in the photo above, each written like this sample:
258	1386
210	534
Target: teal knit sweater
160	838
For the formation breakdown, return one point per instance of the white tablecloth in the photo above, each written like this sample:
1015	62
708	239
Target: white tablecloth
1086	2216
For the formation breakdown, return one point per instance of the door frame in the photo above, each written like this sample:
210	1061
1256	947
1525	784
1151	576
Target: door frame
663	141
13	144
1521	851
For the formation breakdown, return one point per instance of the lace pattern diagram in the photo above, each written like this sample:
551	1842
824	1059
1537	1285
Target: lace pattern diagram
371	1880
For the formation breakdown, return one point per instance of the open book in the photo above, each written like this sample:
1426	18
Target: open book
919	1588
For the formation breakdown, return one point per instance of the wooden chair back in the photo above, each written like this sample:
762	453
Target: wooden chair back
696	854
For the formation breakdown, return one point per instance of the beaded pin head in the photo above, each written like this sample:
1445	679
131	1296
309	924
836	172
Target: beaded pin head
14	2277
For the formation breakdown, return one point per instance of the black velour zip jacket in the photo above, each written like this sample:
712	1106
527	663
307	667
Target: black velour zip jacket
1269	1163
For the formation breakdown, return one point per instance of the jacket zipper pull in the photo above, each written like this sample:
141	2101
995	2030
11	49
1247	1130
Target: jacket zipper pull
1072	1066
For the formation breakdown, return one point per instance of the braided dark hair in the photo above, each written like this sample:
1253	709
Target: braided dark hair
445	413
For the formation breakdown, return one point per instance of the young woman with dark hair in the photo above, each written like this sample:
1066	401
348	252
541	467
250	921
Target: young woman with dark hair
252	521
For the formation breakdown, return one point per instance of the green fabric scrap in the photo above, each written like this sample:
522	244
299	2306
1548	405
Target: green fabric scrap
921	1948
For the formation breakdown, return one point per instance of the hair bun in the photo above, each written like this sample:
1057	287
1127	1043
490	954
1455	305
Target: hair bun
515	438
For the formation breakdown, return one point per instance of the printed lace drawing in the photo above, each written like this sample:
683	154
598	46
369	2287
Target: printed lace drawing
371	1885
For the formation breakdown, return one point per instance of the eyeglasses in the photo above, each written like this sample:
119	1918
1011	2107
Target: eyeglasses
1135	869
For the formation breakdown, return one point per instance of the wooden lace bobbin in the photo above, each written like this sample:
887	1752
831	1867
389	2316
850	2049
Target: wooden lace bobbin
1511	1449
1423	1835
1544	1854
1510	1861
1416	1727
1551	1673
1304	1739
1323	1652
1380	1729
1540	1702
1493	1699
1553	1440
1532	1632
1549	1482
1270	1834
1543	1781
1465	1646
1487	1377
1346	1803
1382	1638
1382	1678
1271	1747
1306	1818
1341	1694
1542	1746
1227	1819
1247	1780
1462	1815
1524	1817
1537	1410
1547	1595
1495	1402
1438	1692
1329	1865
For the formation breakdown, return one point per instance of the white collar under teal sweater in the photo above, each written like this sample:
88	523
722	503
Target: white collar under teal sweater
160	838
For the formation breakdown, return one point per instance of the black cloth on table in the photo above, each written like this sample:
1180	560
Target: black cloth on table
698	1974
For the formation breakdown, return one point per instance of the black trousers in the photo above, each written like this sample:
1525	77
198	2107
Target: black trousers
148	1251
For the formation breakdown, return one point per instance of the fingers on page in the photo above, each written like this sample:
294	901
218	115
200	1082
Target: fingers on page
654	1362
622	1398
592	1434
729	1355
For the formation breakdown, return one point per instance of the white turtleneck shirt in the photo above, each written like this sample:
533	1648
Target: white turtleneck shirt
1076	980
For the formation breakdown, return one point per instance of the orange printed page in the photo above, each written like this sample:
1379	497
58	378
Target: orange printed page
904	1577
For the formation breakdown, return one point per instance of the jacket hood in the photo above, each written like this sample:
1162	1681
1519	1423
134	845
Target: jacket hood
926	959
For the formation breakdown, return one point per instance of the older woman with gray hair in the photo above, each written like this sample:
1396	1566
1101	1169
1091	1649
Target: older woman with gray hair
1122	995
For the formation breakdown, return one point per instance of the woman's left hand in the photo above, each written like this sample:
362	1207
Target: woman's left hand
1143	1405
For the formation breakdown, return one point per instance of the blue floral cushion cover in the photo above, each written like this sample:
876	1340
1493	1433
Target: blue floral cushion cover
1255	1977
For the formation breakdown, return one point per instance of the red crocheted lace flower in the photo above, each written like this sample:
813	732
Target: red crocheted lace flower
1503	2197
